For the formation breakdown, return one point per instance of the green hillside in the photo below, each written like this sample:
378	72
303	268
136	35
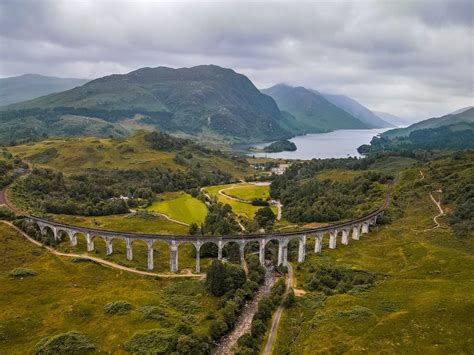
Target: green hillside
312	112
186	100
466	116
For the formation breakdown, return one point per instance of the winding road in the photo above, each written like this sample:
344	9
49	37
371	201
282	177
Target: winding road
276	318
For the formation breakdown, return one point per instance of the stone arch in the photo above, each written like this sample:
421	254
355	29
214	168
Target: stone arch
187	255
271	250
161	255
293	247
252	247
232	251
80	240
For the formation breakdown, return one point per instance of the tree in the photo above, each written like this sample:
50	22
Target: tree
265	217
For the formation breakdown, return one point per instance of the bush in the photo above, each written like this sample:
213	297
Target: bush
118	307
329	279
217	329
258	328
6	214
290	298
67	343
22	272
222	278
152	313
153	341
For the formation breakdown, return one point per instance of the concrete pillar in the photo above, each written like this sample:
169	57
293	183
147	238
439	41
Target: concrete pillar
365	228
174	256
55	233
355	232
345	236
108	246
333	239
318	242
128	243
73	239
149	244
220	247
261	252
283	252
90	242
198	257
242	252
301	249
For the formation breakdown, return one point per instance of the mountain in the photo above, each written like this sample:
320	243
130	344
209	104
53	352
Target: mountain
205	99
465	116
311	110
394	120
449	132
30	86
461	110
357	110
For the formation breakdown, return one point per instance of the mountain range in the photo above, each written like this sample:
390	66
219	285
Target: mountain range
30	86
205	102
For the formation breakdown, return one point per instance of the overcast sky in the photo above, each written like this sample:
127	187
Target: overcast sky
409	58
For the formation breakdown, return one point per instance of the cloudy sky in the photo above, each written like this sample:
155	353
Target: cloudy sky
409	58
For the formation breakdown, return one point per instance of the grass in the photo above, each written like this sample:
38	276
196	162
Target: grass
421	303
125	223
248	192
338	175
66	296
241	209
68	154
183	207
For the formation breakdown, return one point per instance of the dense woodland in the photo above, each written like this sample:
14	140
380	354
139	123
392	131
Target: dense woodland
453	137
312	200
104	192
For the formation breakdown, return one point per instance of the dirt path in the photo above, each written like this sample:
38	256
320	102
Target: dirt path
276	319
244	322
441	212
100	261
165	216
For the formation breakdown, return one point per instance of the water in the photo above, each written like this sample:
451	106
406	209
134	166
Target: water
337	144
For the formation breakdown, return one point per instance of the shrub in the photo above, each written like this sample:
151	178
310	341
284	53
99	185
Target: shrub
258	328
290	298
222	278
22	272
67	343
118	307
152	313
6	214
217	329
153	341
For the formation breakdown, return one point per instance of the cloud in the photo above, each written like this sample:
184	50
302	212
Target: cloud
411	58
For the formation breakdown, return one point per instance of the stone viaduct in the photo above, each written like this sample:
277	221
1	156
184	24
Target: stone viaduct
353	228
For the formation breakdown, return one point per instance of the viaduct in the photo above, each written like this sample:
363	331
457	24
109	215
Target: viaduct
353	229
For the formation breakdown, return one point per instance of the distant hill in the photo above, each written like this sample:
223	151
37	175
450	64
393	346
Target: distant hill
394	120
466	116
30	86
194	100
449	132
312	111
357	110
461	110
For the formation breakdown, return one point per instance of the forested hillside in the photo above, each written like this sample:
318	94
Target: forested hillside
192	101
312	111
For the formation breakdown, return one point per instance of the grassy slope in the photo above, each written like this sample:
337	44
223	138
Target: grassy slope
423	299
68	296
249	192
184	208
69	155
241	209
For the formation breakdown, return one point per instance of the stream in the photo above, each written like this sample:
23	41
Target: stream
244	321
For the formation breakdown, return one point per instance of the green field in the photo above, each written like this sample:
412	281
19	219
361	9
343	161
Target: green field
125	223
67	295
70	154
248	192
182	207
241	209
422	300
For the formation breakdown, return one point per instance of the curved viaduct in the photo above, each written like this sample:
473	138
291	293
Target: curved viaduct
353	228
